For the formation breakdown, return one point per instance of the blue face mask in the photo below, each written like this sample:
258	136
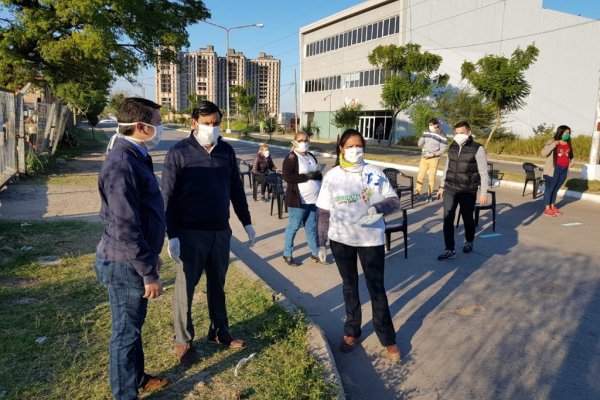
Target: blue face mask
566	136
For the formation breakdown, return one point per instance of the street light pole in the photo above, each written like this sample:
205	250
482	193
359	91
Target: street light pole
329	123
227	58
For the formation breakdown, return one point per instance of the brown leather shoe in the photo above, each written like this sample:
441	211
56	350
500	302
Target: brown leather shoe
348	345
226	339
392	352
186	354
153	383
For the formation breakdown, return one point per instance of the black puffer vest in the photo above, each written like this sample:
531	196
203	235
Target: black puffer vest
462	174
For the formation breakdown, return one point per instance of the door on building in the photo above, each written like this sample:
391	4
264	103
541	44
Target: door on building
366	126
375	127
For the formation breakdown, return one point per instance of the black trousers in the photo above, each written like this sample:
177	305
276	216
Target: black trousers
262	180
466	200
372	260
201	252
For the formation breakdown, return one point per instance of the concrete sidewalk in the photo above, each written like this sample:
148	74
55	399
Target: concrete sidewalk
517	319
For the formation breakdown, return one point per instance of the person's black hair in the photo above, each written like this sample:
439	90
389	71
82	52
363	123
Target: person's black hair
558	136
135	109
463	124
206	107
348	133
433	121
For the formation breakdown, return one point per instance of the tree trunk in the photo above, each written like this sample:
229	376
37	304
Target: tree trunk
496	126
392	128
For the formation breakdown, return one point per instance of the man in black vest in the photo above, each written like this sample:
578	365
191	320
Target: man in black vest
465	171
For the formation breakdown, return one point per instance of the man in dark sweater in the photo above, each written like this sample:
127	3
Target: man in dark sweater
465	171
127	257
199	180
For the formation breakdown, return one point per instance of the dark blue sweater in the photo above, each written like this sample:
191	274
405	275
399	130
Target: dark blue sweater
132	209
197	187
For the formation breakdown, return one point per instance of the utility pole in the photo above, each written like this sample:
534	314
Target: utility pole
591	171
295	102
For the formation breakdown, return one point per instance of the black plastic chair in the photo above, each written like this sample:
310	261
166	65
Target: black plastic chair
478	208
531	176
490	173
397	227
392	175
245	169
275	184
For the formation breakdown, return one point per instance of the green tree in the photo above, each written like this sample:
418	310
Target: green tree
52	43
92	113
114	103
420	113
408	75
347	116
455	106
244	100
502	81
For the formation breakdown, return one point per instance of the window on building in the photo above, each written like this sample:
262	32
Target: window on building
376	80
321	44
340	40
307	51
359	38
306	87
354	35
382	78
360	78
364	33
346	38
369	32
339	82
397	24
392	25
366	78
328	44
335	43
380	29
386	27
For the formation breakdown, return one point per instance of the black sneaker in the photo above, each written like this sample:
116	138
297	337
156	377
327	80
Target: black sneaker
468	247
447	254
290	261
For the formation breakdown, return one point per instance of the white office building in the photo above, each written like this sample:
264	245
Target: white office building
565	79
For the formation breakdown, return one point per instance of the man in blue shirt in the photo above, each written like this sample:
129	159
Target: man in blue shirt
127	257
199	180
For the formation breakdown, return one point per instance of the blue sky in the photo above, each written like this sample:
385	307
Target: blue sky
279	37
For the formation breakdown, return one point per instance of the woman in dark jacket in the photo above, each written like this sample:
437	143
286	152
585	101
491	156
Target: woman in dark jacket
261	167
300	171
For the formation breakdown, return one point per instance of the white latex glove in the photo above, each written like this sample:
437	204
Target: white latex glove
173	249
323	254
251	234
371	210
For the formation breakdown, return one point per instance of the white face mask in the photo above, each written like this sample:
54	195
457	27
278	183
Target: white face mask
207	135
432	128
460	138
149	143
266	154
354	155
302	147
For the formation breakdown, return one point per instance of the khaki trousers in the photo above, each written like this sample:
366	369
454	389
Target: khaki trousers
427	165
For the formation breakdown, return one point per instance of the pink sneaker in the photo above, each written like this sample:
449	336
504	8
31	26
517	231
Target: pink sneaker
549	213
557	211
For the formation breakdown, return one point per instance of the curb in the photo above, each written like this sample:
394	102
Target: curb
594	198
317	343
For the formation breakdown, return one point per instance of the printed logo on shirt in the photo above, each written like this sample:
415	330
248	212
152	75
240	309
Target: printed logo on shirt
364	195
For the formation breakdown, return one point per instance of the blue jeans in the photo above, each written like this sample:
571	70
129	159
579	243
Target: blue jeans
307	216
128	312
554	183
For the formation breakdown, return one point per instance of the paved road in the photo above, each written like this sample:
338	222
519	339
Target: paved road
519	318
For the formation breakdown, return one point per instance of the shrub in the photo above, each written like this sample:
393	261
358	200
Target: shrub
411	140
